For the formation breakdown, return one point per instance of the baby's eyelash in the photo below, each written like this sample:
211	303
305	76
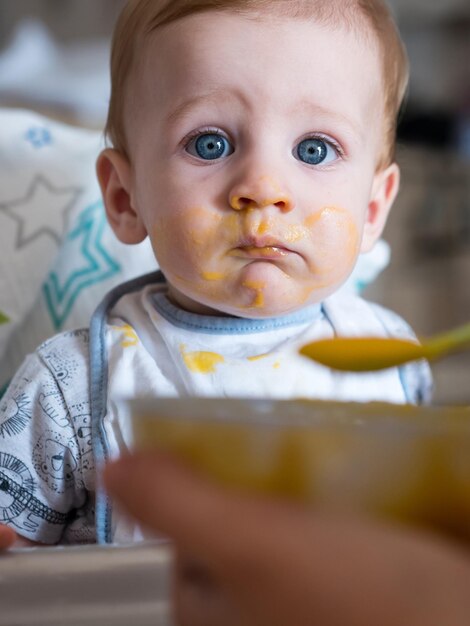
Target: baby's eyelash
339	149
209	130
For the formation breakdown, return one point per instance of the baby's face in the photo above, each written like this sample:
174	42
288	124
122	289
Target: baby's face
254	147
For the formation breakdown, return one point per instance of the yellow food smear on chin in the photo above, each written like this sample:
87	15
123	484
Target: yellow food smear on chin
258	289
201	362
259	300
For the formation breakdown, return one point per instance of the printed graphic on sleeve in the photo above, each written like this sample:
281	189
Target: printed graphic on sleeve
54	407
63	367
33	223
18	505
55	460
4	319
81	415
92	264
15	414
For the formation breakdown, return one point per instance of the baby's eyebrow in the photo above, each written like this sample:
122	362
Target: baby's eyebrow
326	114
214	97
303	107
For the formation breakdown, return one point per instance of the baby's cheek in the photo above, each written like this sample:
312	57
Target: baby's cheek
335	240
183	240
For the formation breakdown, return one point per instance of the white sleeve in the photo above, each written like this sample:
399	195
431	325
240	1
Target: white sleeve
40	467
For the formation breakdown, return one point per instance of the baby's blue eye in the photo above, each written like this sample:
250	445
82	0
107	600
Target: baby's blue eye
315	151
210	146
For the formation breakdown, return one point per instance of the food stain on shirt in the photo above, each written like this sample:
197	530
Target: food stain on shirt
201	362
258	357
130	336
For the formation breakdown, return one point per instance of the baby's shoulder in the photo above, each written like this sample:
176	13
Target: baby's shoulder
416	376
394	324
350	314
356	316
66	355
77	339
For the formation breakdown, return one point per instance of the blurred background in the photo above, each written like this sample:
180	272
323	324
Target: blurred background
54	59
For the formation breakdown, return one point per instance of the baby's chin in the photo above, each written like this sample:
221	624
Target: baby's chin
265	292
259	291
268	305
256	302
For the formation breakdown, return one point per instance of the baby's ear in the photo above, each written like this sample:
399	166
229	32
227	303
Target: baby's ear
114	176
384	191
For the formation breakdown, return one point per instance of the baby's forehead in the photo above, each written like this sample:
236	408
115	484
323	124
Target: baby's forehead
193	53
150	46
136	42
289	63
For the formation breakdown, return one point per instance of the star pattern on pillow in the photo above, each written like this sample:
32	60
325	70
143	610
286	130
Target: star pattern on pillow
82	263
33	221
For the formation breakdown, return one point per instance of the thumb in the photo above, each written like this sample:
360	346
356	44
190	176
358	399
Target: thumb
7	537
169	498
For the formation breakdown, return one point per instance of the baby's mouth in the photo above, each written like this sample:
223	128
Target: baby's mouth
268	253
261	247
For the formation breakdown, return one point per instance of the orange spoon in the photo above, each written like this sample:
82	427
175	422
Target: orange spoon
361	354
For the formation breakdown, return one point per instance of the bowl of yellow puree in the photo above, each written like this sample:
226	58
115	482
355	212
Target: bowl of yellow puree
399	462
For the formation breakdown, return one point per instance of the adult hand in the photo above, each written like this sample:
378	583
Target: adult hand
245	561
7	537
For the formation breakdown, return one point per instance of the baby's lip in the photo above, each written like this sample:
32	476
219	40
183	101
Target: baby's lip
262	241
262	247
268	253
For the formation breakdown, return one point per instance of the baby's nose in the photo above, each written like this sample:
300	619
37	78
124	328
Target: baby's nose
261	193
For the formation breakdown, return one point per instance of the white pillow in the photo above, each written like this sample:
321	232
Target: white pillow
58	256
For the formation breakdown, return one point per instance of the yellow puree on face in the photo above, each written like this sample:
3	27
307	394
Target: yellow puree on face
201	362
212	276
264	227
331	229
257	287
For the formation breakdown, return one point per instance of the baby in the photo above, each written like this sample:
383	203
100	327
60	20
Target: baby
253	143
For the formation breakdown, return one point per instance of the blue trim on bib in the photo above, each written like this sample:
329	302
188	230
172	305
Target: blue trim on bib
99	394
219	325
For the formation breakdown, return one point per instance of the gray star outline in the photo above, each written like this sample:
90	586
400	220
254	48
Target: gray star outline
38	180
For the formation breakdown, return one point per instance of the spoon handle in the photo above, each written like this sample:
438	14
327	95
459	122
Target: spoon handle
450	341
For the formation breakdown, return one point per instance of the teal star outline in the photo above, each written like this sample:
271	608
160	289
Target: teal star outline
61	299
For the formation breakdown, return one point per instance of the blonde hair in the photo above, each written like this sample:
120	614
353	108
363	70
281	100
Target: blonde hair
140	17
